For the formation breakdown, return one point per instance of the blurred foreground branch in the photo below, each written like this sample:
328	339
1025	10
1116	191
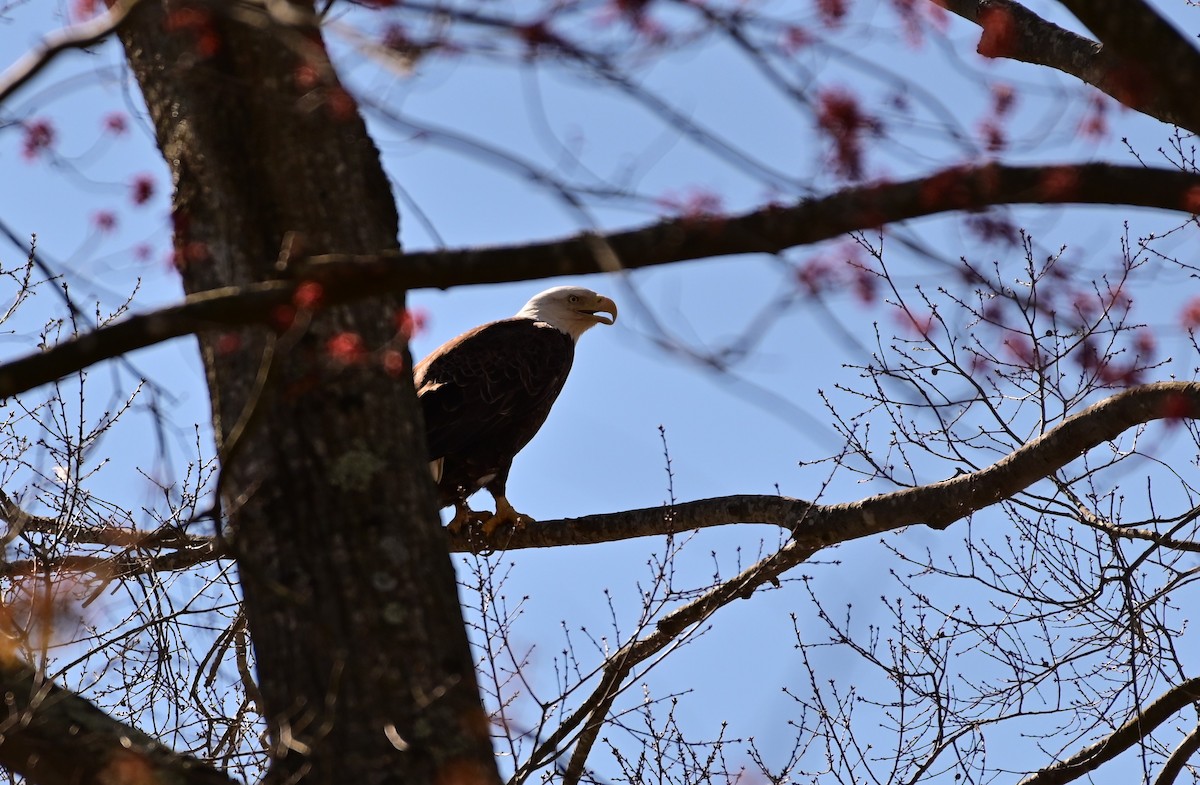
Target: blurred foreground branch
771	229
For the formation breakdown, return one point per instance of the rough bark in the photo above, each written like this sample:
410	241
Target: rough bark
363	661
1158	63
1012	31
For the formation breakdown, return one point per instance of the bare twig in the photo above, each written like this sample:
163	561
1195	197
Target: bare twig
817	526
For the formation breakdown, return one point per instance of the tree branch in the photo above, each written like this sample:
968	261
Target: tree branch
770	229
1179	758
817	526
76	36
1157	63
1012	31
127	564
51	736
1138	727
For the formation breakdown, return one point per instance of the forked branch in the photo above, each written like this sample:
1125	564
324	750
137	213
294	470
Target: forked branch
816	526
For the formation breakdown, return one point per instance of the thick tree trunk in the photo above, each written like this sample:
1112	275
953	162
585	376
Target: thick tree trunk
362	656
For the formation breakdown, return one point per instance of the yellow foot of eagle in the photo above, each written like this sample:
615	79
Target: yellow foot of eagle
505	514
466	518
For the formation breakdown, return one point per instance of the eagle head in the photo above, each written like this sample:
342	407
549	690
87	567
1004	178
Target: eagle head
571	309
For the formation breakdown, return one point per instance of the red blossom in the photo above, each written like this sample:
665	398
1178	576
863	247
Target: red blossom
105	220
83	9
993	136
339	104
1094	124
1115	374
537	34
395	37
832	11
306	76
1176	407
1022	351
1117	300
1085	305
39	137
993	311
634	9
116	123
1089	357
993	228
910	18
1144	343
393	362
1059	183
228	343
189	253
946	190
1004	98
796	38
695	204
346	348
283	316
309	296
142	252
1191	200
143	189
865	284
815	274
197	22
411	322
842	119
938	17
1190	316
921	325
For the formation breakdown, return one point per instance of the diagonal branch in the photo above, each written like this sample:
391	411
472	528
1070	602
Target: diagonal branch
770	229
1179	758
1012	31
51	736
817	526
1138	727
77	36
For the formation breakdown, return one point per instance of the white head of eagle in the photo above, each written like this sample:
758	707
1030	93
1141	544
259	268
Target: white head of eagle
487	392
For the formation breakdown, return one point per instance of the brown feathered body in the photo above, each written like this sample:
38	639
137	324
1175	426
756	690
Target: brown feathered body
484	395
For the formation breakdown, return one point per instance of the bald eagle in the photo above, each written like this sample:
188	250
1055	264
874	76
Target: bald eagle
487	392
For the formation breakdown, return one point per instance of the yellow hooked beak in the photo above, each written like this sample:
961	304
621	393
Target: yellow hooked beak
601	305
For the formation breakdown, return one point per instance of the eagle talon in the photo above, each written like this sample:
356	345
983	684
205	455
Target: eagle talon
505	514
466	518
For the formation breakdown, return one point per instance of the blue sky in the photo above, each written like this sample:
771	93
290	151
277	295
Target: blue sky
601	449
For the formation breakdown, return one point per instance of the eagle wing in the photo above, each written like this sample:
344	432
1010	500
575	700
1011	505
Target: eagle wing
495	381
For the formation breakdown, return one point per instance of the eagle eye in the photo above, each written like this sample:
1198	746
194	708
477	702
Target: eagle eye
573	298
